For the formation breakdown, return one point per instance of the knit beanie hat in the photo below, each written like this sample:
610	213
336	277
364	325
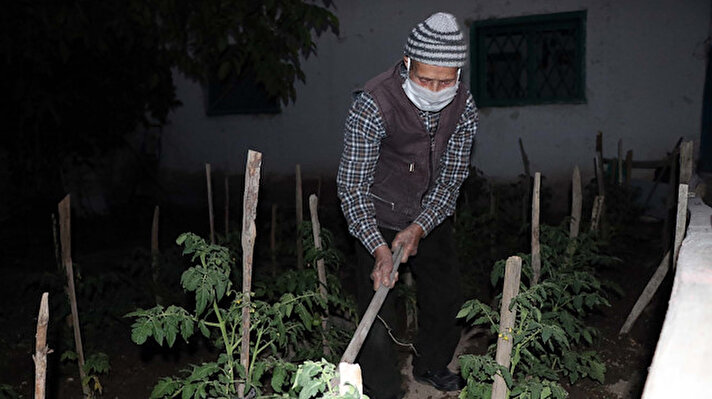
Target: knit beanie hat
437	41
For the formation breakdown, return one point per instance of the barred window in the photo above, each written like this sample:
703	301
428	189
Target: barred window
528	60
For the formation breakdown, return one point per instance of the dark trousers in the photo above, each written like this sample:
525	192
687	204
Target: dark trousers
439	298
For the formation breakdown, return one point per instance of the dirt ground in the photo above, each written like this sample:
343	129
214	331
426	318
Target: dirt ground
27	254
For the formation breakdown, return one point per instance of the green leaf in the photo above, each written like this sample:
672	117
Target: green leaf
166	387
278	376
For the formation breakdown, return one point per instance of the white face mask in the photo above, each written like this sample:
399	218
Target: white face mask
426	99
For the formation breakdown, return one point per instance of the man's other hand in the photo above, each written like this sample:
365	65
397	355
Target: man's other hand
409	239
381	274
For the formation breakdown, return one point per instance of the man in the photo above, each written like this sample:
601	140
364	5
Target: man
407	144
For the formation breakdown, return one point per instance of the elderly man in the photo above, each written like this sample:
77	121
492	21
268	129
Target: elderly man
407	144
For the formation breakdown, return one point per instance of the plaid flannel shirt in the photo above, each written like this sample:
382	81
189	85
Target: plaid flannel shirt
362	142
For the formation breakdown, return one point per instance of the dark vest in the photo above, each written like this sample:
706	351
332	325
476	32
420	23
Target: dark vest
407	165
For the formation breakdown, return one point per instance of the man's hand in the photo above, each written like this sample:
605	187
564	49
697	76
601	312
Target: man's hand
381	274
409	239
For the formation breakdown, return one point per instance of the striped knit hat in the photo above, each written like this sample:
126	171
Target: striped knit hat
437	41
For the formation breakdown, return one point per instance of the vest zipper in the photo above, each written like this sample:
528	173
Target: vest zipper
393	205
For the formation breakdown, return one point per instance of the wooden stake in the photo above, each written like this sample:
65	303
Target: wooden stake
320	268
512	276
647	294
210	203
686	162
300	217
155	266
576	203
528	183
65	234
273	240
596	212
41	349
536	251
681	222
620	162
227	206
249	213
370	314
628	167
599	164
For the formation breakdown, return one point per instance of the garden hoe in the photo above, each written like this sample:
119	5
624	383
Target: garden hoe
350	373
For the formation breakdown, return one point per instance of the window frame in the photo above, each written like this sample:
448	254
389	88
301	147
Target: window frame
526	24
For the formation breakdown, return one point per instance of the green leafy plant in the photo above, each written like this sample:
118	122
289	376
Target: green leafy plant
276	328
550	327
8	392
95	365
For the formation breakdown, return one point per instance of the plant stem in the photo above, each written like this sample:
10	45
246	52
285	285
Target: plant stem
228	347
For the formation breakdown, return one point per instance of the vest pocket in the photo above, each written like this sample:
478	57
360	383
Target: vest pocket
385	201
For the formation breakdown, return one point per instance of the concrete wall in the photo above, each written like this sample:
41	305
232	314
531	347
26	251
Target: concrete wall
645	63
680	367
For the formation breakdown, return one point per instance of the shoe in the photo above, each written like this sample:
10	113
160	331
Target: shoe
443	380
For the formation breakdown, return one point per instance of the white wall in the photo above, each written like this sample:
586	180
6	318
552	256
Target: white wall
645	65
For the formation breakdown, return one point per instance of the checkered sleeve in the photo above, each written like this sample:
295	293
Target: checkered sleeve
362	142
440	201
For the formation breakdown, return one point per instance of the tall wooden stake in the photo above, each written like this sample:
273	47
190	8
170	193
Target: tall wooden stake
227	206
680	222
300	216
65	234
620	162
686	162
647	294
628	167
512	276
320	268
576	203
596	212
273	240
41	349
249	213
599	164
528	183
210	203
536	250
155	265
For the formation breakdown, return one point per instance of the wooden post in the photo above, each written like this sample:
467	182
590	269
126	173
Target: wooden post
57	251
681	222
273	240
599	164
300	217
527	184
210	203
598	203
686	162
512	276
647	294
227	206
536	251
320	268
155	265
576	203
670	200
628	167
249	213
65	234
41	349
620	162
370	314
